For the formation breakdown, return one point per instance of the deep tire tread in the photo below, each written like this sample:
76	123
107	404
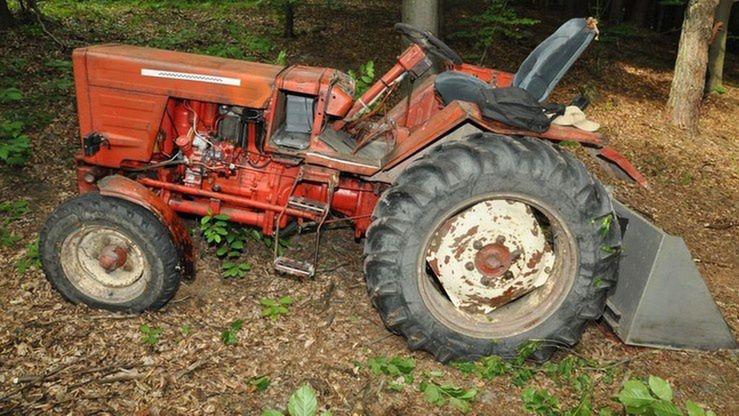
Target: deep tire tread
475	159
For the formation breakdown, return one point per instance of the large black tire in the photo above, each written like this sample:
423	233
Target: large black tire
70	244
482	163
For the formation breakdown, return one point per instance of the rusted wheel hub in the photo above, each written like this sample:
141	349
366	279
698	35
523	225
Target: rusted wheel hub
104	263
112	257
493	260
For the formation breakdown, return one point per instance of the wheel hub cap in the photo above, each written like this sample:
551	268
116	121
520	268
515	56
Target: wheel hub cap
489	255
112	257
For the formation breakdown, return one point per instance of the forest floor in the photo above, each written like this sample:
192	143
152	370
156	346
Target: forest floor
59	358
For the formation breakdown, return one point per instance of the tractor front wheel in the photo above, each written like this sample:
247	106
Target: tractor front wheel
488	243
110	254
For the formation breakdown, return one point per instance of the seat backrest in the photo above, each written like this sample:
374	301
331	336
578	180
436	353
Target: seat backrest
549	62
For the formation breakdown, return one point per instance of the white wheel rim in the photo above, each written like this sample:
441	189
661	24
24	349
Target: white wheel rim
490	254
80	258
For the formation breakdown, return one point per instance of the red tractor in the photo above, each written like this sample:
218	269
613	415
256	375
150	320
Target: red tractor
479	234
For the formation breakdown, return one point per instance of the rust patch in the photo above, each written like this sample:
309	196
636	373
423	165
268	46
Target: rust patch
535	259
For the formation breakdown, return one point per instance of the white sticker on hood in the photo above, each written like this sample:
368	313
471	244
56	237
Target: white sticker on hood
190	77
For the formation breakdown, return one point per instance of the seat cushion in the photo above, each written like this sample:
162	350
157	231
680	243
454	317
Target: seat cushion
454	85
549	62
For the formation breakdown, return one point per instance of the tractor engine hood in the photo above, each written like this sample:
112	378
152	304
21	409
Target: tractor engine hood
175	74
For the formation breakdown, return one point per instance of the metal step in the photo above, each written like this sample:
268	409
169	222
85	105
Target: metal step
294	267
310	205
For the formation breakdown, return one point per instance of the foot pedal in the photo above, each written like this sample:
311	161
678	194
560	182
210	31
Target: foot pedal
310	205
294	267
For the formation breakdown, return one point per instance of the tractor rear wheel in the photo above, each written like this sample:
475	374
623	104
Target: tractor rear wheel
110	254
488	243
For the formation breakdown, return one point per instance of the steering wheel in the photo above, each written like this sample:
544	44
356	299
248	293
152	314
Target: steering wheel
428	42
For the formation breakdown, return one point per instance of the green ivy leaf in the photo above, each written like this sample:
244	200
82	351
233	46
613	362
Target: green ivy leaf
693	409
635	395
303	402
660	388
665	408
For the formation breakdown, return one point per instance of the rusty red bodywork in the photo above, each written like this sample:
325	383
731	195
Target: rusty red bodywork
148	120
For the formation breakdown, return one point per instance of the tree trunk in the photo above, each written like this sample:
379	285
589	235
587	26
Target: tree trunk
616	12
423	14
690	67
577	8
718	47
6	18
289	31
639	13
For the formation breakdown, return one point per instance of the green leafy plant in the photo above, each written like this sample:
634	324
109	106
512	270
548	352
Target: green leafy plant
149	334
214	227
185	330
498	19
399	368
440	394
260	383
239	270
229	335
281	58
10	94
540	402
267	241
302	402
493	366
229	241
14	145
13	211
29	260
364	78
274	308
654	399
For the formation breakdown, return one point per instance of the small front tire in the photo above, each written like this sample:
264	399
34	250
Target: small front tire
110	254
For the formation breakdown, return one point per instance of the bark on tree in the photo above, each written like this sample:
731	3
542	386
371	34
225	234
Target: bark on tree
423	14
577	8
690	67
6	18
616	11
639	13
289	11
718	47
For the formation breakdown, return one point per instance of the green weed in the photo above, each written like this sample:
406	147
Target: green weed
654	398
237	270
364	78
150	335
15	147
260	383
229	335
440	394
274	308
399	368
30	259
302	402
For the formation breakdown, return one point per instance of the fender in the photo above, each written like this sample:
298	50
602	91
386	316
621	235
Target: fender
460	118
118	186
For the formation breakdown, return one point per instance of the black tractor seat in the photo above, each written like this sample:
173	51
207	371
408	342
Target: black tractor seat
539	73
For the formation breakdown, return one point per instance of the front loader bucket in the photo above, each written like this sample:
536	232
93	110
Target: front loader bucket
661	300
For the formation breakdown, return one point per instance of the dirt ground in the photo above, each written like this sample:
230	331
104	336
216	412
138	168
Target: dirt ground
57	358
